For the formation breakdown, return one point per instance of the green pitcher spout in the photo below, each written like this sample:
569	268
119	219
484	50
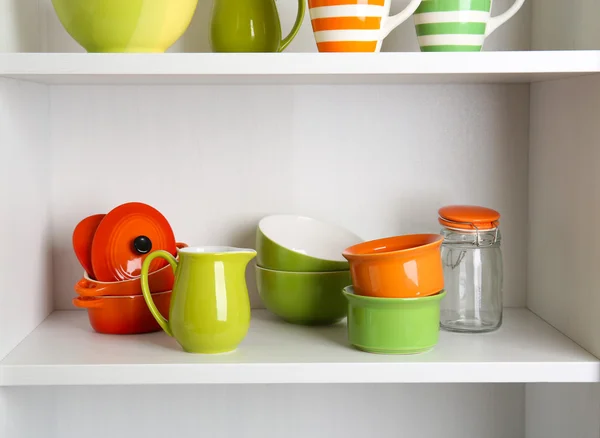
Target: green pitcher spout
246	255
240	257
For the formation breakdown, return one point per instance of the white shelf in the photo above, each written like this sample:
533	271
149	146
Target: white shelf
64	350
297	68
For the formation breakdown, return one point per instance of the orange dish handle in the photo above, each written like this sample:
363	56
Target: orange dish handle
86	288
87	302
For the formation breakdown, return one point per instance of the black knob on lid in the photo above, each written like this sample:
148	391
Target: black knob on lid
142	244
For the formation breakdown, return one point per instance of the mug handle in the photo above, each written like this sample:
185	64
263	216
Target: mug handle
162	321
299	18
394	21
496	22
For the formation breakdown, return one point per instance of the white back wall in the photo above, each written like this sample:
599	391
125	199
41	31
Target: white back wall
377	160
269	411
565	25
25	263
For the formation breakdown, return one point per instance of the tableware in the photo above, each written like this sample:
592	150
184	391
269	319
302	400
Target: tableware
309	298
301	244
125	25
210	310
354	25
123	315
472	263
397	267
83	235
250	26
124	238
393	325
458	25
159	281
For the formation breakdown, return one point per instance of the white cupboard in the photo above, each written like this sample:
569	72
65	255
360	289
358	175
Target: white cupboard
217	141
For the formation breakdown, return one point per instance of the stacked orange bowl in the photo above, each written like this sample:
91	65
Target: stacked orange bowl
111	249
394	300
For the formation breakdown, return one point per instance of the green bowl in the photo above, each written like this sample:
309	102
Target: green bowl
393	325
301	244
308	298
125	25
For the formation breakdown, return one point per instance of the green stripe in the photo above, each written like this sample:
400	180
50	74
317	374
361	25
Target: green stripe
454	5
450	48
450	29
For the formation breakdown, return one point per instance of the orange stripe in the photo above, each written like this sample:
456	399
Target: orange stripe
347	46
319	3
346	23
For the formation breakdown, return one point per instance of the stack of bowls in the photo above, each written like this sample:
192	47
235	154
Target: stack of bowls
394	303
300	273
119	308
111	249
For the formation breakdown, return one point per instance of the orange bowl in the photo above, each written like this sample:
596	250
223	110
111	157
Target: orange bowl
407	266
124	315
160	280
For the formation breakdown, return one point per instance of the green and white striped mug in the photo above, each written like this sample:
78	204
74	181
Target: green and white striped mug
458	25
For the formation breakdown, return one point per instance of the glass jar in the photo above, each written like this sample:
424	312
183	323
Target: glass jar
472	262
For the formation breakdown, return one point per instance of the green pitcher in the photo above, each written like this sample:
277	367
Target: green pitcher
250	26
210	308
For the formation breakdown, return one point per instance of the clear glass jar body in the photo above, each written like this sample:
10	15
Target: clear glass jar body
472	280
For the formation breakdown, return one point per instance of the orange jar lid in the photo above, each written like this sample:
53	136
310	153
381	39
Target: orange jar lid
468	217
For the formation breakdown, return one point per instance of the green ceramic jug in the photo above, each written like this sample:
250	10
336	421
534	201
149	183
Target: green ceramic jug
250	26
210	308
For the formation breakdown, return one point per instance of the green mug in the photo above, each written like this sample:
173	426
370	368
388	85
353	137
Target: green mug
458	25
210	308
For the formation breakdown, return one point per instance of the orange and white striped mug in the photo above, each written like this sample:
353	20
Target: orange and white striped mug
354	25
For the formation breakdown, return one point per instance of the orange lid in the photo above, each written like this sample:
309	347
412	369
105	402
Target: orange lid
83	236
124	238
468	217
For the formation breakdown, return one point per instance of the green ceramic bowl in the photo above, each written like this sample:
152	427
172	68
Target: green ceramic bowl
125	25
393	325
309	298
301	244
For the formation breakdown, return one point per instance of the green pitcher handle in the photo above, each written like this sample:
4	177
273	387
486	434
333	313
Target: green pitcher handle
162	321
299	19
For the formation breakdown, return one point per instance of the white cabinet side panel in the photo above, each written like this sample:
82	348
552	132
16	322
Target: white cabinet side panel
564	181
565	25
3	412
562	410
30	414
25	263
379	160
20	24
270	411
